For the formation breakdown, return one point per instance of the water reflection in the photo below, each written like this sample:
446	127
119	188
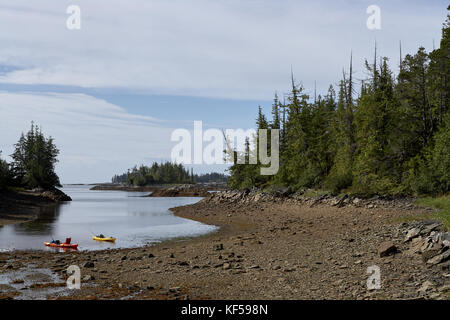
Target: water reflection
44	224
132	218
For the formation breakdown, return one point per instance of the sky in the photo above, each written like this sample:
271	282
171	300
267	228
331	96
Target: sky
112	92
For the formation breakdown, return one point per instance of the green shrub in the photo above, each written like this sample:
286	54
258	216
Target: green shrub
429	172
442	204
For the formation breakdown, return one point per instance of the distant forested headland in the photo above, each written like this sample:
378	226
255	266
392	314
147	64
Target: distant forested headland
165	173
383	135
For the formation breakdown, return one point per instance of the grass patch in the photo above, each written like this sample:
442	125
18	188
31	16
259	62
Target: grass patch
441	204
16	189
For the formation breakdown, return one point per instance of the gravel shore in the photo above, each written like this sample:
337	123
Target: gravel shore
263	250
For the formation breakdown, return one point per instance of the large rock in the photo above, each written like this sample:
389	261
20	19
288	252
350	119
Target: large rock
56	195
386	248
427	255
430	226
181	191
439	258
445	238
412	233
416	245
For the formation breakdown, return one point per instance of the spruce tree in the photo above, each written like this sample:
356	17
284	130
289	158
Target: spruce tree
34	160
5	174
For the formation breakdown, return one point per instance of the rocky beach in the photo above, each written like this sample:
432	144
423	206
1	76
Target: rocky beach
269	246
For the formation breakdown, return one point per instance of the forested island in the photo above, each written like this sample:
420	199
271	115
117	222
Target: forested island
33	165
29	181
165	173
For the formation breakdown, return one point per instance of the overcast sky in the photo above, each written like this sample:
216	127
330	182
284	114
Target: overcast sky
112	92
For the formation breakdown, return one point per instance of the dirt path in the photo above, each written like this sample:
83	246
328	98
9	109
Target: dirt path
262	251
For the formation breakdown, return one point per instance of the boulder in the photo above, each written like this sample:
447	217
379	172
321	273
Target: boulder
446	236
427	255
416	245
431	226
386	248
181	191
412	233
56	195
439	258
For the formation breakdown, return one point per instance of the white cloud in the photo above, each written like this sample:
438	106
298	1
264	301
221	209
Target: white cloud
218	48
212	48
96	139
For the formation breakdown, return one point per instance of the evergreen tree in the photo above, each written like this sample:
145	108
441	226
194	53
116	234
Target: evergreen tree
429	172
341	176
276	123
373	122
34	160
393	139
5	174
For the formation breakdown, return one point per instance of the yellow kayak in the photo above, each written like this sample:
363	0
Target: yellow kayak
104	239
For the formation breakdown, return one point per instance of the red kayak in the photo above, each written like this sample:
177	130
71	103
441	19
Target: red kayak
61	245
65	245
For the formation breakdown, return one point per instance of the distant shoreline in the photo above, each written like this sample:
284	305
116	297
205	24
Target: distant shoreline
182	190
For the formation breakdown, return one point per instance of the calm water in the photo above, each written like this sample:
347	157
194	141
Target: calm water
134	220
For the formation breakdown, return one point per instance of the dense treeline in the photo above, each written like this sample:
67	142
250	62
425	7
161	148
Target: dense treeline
33	165
391	136
162	173
211	177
